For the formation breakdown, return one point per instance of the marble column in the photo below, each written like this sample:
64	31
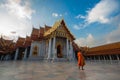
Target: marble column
46	55
53	48
94	58
39	49
31	50
16	54
25	54
67	47
7	57
110	57
104	57
1	57
70	51
72	55
42	48
117	57
49	49
99	58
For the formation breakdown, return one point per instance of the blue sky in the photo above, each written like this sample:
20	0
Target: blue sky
92	22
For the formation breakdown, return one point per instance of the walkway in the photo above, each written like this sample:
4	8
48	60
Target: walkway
94	70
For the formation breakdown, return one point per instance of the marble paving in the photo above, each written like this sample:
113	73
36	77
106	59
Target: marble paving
37	70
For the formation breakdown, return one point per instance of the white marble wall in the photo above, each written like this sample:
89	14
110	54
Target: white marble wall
49	51
35	43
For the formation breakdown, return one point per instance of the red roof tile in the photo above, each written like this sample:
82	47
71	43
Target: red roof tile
35	34
20	42
27	41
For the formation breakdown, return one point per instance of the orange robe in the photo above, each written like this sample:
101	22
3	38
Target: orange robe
81	60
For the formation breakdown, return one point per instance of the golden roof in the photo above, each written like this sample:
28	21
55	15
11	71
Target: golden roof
55	26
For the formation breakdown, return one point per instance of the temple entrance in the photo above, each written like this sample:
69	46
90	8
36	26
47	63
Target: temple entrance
59	52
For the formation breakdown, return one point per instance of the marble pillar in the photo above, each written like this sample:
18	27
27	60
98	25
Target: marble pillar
1	57
71	51
99	58
40	50
53	48
44	49
67	47
94	57
7	57
117	57
16	54
31	50
110	57
42	46
49	49
25	54
45	55
104	57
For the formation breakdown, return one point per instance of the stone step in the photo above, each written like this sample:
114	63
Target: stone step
36	58
40	58
60	60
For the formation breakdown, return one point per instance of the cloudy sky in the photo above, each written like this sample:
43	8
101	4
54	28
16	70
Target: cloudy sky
92	22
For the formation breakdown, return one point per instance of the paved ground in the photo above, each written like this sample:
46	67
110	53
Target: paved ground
94	70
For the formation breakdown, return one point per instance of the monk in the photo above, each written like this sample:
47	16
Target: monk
81	60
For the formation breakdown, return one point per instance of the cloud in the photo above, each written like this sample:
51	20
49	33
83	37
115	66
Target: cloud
15	17
88	41
113	36
18	9
105	12
56	15
76	27
80	26
80	16
102	13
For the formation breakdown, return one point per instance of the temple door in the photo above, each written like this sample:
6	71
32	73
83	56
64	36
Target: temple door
59	51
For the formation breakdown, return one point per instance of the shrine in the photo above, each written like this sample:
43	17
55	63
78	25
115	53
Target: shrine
51	43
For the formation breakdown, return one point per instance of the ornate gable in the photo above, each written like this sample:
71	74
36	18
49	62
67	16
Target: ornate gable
59	29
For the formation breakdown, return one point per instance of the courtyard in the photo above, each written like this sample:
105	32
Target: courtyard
42	70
